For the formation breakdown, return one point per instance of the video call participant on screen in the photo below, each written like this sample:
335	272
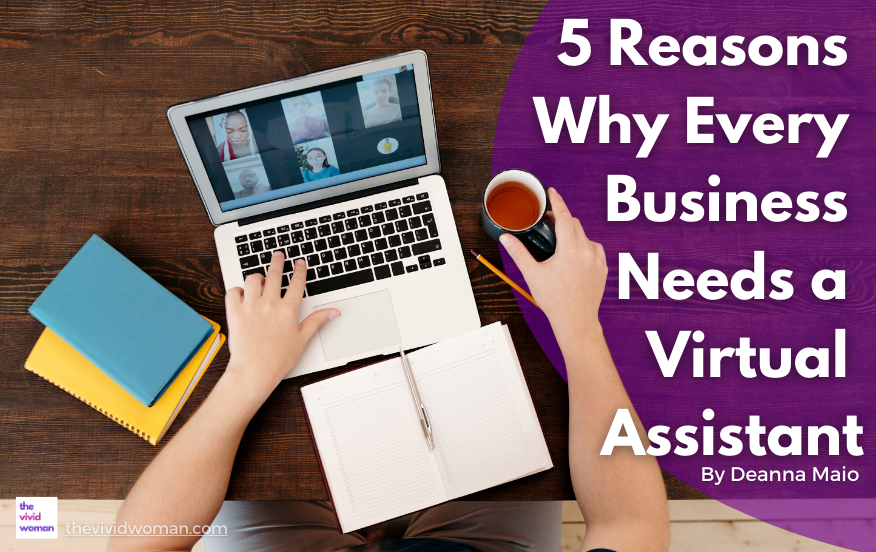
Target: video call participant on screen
383	111
250	182
238	139
305	126
318	166
622	496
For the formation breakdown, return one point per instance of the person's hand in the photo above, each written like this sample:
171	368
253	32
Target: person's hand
264	336
568	286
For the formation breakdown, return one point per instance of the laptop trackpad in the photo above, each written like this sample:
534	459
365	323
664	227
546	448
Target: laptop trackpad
367	323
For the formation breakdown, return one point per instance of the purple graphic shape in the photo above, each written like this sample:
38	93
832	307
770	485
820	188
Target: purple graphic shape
579	172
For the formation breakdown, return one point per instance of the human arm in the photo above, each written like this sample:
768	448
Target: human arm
186	483
621	496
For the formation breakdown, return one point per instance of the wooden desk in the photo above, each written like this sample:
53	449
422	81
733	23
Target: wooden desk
86	148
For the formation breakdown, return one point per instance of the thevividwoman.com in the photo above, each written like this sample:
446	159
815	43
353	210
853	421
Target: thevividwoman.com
129	530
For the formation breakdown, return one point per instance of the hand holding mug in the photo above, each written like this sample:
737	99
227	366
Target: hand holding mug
515	203
569	286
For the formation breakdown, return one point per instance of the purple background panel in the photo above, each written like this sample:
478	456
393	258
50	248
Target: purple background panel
579	172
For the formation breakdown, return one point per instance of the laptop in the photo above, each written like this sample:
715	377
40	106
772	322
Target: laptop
340	168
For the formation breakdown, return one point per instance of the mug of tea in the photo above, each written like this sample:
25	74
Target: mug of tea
515	202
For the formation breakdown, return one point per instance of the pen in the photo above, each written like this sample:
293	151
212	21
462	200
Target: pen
421	410
500	274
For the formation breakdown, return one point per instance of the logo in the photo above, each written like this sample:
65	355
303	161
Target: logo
36	517
387	146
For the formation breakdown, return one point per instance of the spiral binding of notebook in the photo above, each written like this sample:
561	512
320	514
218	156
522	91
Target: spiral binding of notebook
116	419
61	365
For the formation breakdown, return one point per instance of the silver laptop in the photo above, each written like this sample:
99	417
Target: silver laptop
339	168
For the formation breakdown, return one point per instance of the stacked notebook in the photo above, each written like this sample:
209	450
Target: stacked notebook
120	342
376	460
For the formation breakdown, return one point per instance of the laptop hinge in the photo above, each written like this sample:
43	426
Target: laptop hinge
327	201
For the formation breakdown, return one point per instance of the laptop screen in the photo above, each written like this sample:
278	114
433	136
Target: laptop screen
311	139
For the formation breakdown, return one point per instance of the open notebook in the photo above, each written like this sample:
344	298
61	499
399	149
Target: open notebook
376	460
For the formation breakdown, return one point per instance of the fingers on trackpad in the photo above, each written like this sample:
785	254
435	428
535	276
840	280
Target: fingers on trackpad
367	323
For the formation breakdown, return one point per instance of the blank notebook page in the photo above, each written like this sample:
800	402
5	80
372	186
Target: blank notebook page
483	421
375	457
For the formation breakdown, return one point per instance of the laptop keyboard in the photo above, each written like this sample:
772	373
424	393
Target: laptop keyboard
349	248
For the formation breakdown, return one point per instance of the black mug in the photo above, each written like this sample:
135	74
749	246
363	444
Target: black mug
538	233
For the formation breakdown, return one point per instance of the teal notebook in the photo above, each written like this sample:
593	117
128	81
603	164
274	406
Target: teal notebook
128	325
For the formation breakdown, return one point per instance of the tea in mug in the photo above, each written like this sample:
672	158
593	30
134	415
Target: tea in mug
512	205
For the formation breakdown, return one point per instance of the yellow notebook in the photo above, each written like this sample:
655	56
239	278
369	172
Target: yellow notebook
57	362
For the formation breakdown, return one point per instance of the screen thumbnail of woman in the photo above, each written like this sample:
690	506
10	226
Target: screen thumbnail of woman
317	160
232	135
305	116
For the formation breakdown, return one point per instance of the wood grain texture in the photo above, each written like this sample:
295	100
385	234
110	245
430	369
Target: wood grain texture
90	152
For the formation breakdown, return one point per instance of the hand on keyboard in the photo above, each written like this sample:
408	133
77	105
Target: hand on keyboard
264	336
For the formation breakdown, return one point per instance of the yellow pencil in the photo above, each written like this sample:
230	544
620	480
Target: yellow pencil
500	274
